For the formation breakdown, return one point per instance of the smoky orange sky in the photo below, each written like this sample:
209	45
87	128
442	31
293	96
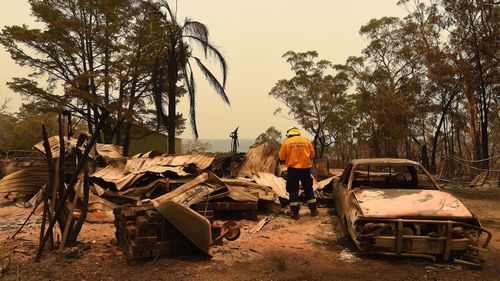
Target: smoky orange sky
253	36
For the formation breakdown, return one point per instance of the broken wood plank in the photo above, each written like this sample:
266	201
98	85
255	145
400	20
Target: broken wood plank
259	225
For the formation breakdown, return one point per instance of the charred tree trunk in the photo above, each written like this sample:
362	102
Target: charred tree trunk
172	70
126	141
474	134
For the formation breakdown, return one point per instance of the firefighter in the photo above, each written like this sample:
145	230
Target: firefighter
297	152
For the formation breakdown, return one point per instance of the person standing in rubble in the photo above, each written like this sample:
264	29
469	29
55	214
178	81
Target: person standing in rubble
297	152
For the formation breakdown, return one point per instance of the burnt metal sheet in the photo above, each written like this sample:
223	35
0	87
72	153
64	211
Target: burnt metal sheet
196	190
118	177
137	193
124	177
106	150
30	179
335	172
277	184
262	158
54	145
322	184
193	225
96	203
244	189
179	170
109	150
201	161
9	165
242	194
399	203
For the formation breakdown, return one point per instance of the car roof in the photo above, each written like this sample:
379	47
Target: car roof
383	161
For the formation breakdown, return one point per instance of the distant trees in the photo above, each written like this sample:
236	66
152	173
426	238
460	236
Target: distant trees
8	122
425	85
20	131
95	52
123	57
464	66
310	96
271	136
474	32
386	80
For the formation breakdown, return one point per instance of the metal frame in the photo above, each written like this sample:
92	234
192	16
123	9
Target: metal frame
429	246
356	166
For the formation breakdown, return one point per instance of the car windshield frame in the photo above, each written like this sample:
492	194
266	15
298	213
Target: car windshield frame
416	166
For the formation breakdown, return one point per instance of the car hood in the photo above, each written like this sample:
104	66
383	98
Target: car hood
404	203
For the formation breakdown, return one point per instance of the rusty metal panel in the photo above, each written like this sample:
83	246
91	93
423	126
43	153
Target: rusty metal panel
109	150
201	161
244	189
242	194
278	184
322	184
96	203
196	190
263	158
124	177
118	177
54	145
26	180
106	150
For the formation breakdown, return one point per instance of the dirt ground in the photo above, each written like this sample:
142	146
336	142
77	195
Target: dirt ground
307	249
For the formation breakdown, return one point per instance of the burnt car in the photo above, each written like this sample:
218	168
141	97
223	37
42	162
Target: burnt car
394	207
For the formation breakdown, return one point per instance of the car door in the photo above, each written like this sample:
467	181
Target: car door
341	192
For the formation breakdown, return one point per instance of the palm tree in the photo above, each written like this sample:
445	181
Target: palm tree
176	60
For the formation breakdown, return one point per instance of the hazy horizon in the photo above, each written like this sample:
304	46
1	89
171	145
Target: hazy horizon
253	36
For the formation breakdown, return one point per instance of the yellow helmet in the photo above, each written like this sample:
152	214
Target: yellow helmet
292	131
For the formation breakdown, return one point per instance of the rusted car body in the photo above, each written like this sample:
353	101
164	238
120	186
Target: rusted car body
393	207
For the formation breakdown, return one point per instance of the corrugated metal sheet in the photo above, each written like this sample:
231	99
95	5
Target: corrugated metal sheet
244	190
109	150
135	168
106	150
96	203
278	184
117	176
201	161
196	190
242	194
54	145
322	184
27	180
263	158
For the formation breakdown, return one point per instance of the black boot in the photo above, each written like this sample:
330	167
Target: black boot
314	209
294	212
314	212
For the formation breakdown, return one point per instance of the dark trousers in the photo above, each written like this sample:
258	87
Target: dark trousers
292	186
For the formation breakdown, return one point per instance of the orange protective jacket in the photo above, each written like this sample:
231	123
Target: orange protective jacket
297	152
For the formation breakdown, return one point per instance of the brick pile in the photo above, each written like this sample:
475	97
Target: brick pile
142	232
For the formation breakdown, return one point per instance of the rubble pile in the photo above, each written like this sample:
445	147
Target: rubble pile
131	192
